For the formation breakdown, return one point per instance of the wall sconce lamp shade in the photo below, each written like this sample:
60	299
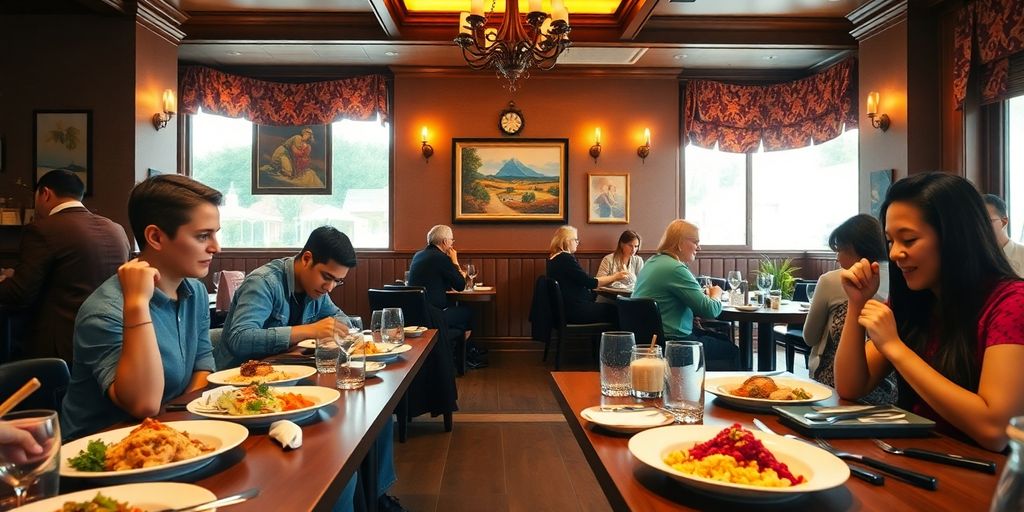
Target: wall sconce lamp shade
170	104
595	150
877	120
645	150
427	149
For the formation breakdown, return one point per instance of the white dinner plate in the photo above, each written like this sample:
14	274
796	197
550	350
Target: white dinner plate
483	288
626	422
820	469
372	367
311	343
722	387
294	371
320	396
220	435
387	356
741	307
147	496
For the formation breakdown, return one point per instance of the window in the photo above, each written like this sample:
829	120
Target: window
797	197
359	200
1015	185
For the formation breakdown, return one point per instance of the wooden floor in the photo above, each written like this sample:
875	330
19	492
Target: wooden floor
510	450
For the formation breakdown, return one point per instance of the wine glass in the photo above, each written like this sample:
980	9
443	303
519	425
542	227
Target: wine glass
20	469
376	320
735	278
764	283
705	284
471	274
392	327
810	291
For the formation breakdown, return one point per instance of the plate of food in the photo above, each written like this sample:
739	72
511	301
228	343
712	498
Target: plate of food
746	307
127	498
771	468
260	372
415	331
259	405
311	343
372	367
384	352
627	420
152	450
762	392
482	288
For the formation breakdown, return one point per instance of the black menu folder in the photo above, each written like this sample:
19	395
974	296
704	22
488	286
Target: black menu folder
913	426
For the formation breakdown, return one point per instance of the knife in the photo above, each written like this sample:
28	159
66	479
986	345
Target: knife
864	474
985	466
835	416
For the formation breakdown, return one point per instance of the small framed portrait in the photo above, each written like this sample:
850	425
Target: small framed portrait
608	198
291	159
63	140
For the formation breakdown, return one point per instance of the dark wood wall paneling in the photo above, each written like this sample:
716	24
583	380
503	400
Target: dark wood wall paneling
514	273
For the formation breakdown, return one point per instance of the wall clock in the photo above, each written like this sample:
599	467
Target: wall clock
511	121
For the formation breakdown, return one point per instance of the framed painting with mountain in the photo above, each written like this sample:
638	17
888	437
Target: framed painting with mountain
501	180
62	139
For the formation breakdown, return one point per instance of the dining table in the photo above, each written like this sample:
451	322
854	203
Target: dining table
765	318
629	484
335	444
611	292
487	294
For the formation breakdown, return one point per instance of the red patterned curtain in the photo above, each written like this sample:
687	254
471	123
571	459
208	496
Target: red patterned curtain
783	116
991	31
360	98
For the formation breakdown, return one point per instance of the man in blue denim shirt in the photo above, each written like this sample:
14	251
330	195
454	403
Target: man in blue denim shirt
288	300
142	338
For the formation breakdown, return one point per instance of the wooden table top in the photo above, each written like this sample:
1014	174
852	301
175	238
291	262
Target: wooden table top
786	314
630	485
334	443
474	295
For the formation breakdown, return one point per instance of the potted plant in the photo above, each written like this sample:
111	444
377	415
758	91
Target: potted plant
782	274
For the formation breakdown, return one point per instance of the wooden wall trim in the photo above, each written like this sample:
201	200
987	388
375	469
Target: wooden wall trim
876	16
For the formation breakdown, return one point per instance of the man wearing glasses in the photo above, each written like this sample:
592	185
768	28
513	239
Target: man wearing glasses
997	215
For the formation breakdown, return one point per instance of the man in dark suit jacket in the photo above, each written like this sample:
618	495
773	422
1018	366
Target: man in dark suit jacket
65	255
436	268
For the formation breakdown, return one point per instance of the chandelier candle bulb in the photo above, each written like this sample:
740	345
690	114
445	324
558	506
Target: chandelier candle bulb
556	5
597	135
476	7
535	6
560	14
647	136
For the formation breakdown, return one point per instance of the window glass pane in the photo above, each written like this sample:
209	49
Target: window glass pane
801	195
1015	187
358	204
716	195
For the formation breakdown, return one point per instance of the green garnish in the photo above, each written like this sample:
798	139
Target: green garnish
92	458
263	390
254	406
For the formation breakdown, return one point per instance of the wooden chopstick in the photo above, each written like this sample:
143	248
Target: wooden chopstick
30	387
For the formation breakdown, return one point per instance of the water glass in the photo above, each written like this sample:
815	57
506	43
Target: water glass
647	372
327	351
375	323
392	327
735	277
31	476
684	380
616	354
811	287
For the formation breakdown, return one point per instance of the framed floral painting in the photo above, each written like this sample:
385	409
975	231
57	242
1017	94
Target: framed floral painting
63	140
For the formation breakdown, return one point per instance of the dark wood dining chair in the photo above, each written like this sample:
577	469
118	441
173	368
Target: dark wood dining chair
791	336
564	329
640	316
52	373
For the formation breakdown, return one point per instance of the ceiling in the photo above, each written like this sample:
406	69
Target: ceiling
695	38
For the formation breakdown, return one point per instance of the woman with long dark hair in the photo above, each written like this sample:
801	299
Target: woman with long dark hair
624	259
953	328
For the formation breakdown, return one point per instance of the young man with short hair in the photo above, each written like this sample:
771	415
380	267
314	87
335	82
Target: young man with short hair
65	255
143	337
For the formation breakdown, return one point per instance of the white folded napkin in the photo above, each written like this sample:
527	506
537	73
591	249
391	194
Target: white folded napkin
286	433
627	419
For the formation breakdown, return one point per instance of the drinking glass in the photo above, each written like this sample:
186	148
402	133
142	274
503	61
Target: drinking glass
375	324
327	352
616	353
764	283
392	327
684	380
735	277
20	469
647	371
471	274
811	288
350	370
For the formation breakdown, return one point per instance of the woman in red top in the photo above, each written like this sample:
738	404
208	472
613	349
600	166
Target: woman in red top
955	332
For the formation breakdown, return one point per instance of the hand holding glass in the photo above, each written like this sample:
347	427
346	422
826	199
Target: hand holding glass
350	369
30	451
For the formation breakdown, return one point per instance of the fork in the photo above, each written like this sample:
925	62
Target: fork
985	466
912	477
868	476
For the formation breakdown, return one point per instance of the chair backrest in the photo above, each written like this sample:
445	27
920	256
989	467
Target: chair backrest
398	286
557	306
413	303
52	373
641	317
227	284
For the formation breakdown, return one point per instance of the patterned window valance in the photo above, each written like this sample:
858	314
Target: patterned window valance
783	116
360	98
988	33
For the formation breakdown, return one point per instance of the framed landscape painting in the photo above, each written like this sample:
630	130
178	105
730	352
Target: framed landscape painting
501	180
608	198
63	140
291	159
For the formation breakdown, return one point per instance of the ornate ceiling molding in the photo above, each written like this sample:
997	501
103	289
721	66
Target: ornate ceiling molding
749	30
162	18
876	16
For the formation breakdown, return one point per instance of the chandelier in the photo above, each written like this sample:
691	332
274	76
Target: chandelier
514	47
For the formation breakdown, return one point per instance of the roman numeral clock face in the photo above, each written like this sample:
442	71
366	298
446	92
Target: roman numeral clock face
511	122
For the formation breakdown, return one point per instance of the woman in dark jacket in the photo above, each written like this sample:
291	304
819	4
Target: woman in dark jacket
577	286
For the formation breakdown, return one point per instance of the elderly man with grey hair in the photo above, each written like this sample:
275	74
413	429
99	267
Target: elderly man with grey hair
436	268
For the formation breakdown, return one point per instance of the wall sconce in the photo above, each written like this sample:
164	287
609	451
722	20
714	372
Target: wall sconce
427	149
877	120
645	150
595	150
170	107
